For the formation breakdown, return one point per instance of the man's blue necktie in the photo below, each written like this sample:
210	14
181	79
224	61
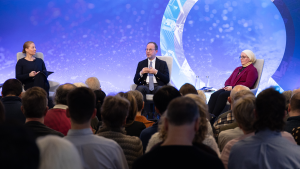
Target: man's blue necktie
151	84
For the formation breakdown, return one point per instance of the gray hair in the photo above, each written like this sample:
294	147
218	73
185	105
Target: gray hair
93	83
58	153
61	93
79	84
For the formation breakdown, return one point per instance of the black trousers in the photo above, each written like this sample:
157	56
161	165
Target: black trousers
218	101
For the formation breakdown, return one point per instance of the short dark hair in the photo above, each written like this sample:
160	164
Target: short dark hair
61	93
114	111
34	102
163	97
18	147
12	87
182	110
187	89
295	102
156	47
270	110
100	95
81	103
132	108
2	112
139	99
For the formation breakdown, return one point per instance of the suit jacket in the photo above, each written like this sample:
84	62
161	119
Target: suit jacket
162	76
247	77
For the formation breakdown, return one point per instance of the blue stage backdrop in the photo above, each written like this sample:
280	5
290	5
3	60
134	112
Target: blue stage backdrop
107	39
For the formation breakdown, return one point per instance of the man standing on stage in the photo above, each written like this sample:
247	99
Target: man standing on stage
151	73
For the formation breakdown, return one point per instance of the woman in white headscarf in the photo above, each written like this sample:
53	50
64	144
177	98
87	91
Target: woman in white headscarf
243	75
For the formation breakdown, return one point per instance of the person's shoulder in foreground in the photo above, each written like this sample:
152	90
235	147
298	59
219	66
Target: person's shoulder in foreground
177	157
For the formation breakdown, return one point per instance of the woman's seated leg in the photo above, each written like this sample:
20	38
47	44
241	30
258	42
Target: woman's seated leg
220	103
213	100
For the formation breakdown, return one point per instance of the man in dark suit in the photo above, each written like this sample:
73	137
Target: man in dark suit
151	73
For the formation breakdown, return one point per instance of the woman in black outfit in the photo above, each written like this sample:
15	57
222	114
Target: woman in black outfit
31	71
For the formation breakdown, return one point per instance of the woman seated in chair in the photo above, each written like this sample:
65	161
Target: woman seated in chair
244	75
31	71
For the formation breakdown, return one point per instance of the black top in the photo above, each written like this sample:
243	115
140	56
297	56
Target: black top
135	128
24	67
189	157
147	133
40	129
12	106
291	123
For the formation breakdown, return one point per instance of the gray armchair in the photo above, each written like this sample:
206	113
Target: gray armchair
259	65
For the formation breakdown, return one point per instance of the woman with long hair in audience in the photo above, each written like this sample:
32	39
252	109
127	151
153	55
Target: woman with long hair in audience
202	139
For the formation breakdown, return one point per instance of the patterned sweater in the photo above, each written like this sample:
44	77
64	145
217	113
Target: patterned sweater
131	145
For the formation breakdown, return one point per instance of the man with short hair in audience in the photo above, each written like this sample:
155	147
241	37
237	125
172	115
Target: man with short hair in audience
226	120
56	118
34	106
95	151
140	105
93	83
11	99
161	100
243	110
177	151
294	113
267	148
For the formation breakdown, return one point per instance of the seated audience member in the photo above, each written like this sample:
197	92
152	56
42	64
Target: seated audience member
202	94
187	89
227	119
95	151
287	95
18	148
230	134
267	148
11	93
93	83
34	106
296	134
132	127
2	113
56	118
140	105
58	153
100	95
177	151
114	111
161	100
79	84
243	110
201	138
294	113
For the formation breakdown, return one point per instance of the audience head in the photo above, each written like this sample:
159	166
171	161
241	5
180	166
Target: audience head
18	147
243	111
132	108
114	111
2	112
80	84
81	105
34	103
12	87
61	93
295	91
236	89
163	97
295	103
139	99
182	111
93	83
100	95
187	89
270	110
26	46
287	95
203	113
202	94
58	153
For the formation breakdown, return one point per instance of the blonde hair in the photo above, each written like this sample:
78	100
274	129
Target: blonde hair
202	94
79	84
93	83
26	45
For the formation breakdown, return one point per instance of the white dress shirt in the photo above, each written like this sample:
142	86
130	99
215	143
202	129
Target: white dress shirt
153	66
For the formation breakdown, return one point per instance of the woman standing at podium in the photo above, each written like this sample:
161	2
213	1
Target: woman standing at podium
243	75
31	71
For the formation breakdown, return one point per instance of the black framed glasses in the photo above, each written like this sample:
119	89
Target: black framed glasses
243	57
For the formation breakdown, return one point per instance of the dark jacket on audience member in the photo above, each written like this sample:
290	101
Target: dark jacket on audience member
12	105
291	123
131	145
39	129
135	128
147	133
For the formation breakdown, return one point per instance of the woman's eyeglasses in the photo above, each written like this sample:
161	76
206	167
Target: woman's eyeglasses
243	57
